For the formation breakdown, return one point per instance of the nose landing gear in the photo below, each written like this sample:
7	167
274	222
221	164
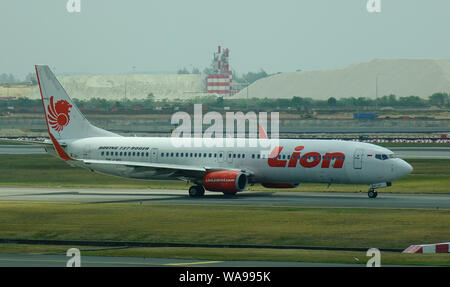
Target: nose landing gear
372	193
372	188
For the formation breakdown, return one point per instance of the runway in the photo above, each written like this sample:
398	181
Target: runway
37	260
401	152
250	198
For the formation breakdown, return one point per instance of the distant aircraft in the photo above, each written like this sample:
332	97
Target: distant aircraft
222	169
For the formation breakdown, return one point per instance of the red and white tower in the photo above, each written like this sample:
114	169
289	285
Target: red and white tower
219	81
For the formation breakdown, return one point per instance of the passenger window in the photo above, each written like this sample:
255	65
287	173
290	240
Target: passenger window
385	157
243	155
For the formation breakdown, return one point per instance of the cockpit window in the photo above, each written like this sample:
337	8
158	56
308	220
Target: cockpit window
384	156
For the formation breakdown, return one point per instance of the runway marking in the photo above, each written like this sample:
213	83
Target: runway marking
193	263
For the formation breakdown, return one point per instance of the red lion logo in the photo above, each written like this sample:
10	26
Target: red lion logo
58	114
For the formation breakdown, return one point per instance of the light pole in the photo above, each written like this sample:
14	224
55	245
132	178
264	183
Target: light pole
248	84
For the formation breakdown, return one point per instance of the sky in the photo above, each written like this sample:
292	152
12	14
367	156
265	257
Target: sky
112	36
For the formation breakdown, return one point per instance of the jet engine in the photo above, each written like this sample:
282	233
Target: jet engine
225	181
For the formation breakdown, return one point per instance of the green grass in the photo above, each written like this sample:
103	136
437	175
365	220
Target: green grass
333	227
429	176
339	227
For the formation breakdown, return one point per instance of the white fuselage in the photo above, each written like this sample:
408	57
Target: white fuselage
324	161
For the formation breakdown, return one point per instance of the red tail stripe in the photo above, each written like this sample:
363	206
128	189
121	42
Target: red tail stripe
58	148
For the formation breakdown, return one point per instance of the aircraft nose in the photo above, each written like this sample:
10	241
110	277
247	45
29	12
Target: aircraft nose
404	168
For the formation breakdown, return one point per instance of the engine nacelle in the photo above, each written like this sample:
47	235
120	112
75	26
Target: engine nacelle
279	185
225	181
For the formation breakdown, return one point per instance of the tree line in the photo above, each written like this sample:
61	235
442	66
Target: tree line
150	104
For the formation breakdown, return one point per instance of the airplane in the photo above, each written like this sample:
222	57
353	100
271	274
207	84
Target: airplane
220	169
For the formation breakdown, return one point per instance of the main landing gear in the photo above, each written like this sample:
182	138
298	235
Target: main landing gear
196	191
199	191
372	193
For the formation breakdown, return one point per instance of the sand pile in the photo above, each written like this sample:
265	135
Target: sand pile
401	77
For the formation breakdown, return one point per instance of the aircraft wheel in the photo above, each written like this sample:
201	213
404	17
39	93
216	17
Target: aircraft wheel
372	193
196	191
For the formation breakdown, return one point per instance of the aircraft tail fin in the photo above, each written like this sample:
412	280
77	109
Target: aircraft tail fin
64	119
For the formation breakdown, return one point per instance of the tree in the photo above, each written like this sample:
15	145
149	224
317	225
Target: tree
252	77
220	102
182	71
439	99
332	101
411	101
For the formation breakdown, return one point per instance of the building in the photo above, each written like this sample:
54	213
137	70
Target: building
219	81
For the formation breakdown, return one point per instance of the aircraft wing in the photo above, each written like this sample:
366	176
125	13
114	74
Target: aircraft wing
144	164
175	169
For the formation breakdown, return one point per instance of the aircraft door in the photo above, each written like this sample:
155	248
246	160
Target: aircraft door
358	159
154	154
